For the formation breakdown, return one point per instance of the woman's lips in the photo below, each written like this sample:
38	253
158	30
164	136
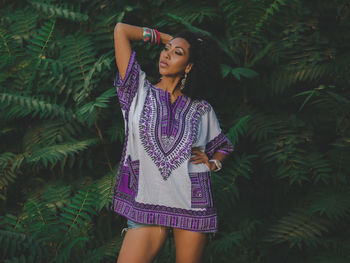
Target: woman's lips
163	64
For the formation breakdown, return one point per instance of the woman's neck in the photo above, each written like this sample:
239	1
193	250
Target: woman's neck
169	84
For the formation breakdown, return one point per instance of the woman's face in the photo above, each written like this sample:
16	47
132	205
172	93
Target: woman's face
173	60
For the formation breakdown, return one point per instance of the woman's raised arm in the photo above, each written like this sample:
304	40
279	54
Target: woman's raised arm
123	34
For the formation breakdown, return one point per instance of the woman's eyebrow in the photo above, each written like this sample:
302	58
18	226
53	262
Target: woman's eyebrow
176	47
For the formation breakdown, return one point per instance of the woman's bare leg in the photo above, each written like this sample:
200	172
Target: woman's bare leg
141	245
189	245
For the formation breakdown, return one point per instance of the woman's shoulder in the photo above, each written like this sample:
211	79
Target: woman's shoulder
202	106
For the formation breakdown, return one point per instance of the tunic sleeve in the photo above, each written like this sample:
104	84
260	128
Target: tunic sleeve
127	87
216	140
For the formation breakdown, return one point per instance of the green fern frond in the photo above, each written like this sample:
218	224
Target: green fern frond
103	63
11	222
39	216
57	196
193	12
23	23
193	28
287	154
10	242
269	11
20	106
238	129
297	228
334	203
10	164
226	242
9	50
65	253
112	245
50	133
262	126
88	113
187	24
64	11
38	46
78	56
224	182
285	77
105	187
320	167
78	214
57	153
116	132
55	66
249	226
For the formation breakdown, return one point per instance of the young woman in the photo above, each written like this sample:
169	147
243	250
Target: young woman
173	142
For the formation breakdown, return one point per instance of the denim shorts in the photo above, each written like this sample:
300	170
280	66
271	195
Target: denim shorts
133	224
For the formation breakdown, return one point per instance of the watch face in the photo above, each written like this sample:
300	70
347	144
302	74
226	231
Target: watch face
218	164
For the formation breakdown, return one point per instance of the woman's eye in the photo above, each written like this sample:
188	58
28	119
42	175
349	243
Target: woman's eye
178	53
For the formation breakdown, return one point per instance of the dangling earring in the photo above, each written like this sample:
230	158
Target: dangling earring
182	86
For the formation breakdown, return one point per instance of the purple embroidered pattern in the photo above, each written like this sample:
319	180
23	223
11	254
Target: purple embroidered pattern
219	143
200	190
167	131
128	87
124	204
200	221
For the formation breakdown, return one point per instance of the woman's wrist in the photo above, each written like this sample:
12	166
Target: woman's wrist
146	34
212	166
165	38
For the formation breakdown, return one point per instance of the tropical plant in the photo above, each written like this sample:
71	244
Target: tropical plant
283	196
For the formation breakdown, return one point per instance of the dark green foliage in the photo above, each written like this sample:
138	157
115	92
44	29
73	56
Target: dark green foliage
283	196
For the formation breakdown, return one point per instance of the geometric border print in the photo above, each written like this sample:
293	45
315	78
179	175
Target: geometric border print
200	190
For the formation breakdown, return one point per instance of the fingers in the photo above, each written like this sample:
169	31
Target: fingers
196	158
196	150
199	156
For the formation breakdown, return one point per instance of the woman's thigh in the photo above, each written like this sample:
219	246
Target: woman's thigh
189	245
142	244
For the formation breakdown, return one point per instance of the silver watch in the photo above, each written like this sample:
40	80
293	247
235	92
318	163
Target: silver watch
217	164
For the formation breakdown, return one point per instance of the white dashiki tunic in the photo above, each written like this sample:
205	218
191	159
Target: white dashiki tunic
156	183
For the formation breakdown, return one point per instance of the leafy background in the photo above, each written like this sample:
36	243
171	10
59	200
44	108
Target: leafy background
283	196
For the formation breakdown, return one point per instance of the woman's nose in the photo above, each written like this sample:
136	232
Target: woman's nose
166	54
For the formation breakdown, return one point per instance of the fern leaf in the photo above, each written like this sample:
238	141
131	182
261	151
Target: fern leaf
23	23
88	112
105	187
77	214
297	228
226	242
334	203
57	196
10	166
78	55
50	133
64	11
103	61
56	153
9	49
239	128
20	106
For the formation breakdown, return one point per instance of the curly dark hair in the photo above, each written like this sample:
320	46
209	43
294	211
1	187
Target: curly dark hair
204	75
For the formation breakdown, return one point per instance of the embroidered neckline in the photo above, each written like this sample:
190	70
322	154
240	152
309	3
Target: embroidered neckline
167	131
168	95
